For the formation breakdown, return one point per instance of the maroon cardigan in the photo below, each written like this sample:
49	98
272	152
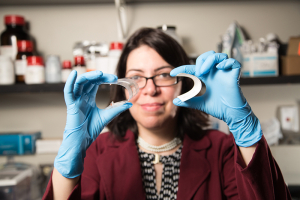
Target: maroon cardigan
211	169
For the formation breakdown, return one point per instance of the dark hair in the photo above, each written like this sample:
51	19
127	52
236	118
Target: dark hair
191	121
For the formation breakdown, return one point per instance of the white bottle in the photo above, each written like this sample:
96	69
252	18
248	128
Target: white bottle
53	69
66	70
7	72
102	64
114	56
35	70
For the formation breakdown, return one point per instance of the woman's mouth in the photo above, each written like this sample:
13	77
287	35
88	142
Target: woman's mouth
151	106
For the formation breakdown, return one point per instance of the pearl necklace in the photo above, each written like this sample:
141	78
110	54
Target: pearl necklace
165	147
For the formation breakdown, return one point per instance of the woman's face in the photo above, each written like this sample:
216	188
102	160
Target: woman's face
152	106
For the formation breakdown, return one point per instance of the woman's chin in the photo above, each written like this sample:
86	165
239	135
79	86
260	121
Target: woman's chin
151	123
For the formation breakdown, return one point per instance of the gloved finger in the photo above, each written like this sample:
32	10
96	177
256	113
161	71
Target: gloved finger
88	87
229	64
93	77
83	79
209	63
188	69
109	114
69	86
94	90
106	78
200	60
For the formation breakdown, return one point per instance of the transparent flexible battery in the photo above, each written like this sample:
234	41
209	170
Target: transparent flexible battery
130	85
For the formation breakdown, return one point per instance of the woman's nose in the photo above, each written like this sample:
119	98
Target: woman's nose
150	88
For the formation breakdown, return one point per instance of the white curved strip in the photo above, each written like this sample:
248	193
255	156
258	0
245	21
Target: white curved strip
194	91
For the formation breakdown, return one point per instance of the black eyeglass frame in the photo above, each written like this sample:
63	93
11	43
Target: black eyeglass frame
152	77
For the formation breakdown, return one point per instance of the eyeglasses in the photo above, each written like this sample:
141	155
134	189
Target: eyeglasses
159	80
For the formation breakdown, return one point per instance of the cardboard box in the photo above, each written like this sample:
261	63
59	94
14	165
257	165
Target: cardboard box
290	65
260	64
294	46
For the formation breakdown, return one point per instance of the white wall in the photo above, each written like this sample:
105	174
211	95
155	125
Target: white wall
56	28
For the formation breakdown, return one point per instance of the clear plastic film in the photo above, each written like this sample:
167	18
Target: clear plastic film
130	85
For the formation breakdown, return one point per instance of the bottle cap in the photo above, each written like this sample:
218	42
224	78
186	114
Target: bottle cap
67	64
116	46
25	46
14	19
79	60
35	60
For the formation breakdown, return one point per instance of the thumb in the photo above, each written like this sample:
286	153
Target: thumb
195	102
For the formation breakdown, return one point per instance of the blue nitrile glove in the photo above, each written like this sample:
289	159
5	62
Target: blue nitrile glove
85	120
223	98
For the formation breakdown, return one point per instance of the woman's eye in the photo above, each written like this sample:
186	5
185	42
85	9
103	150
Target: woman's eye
135	77
164	75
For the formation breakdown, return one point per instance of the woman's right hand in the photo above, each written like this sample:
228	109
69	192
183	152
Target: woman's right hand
85	120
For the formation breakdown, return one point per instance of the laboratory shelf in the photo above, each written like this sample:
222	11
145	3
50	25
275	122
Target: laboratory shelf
59	87
270	80
22	88
70	2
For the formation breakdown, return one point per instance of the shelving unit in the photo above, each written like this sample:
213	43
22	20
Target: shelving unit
60	2
270	80
23	88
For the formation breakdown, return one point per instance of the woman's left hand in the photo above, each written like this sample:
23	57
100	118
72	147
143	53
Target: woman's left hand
223	98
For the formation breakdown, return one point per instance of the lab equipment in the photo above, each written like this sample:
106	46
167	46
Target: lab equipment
15	184
85	120
232	42
223	98
132	89
194	91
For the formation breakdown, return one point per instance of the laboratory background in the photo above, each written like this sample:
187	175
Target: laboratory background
43	40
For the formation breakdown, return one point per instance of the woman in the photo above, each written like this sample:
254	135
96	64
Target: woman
158	149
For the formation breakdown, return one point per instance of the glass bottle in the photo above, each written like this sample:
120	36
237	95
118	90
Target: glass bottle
25	49
14	31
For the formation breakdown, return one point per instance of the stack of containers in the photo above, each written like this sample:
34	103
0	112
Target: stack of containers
14	32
